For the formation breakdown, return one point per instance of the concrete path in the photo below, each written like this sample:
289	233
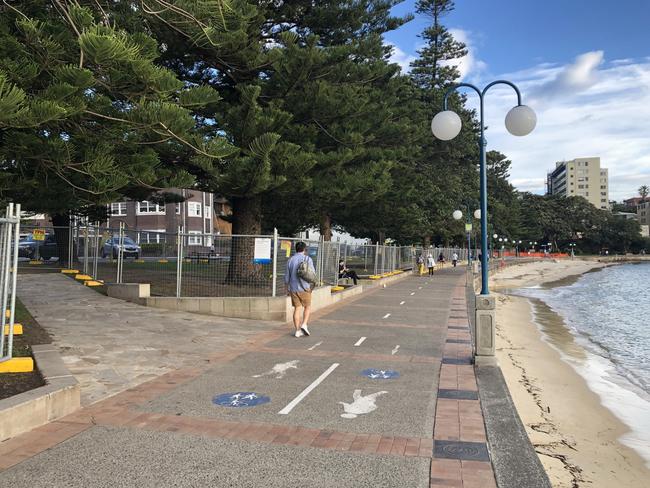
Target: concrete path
381	394
111	345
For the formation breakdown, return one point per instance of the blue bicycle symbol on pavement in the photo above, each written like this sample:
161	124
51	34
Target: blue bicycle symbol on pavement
240	399
380	374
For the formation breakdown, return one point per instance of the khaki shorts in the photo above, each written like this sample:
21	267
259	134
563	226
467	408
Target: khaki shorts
301	298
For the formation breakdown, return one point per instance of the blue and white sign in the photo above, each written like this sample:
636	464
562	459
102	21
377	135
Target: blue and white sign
262	250
240	399
380	374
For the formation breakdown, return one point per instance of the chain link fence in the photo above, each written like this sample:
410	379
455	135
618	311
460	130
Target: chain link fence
195	264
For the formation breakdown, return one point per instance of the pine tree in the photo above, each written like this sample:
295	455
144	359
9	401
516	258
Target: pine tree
86	115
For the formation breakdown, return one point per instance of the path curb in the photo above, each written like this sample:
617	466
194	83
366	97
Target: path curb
59	397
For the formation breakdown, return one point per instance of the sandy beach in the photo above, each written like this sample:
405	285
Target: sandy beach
576	437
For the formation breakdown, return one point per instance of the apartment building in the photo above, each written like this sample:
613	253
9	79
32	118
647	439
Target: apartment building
200	213
643	212
580	177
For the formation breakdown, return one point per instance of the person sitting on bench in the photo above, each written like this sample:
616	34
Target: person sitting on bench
347	273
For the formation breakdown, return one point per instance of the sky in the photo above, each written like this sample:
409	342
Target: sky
582	65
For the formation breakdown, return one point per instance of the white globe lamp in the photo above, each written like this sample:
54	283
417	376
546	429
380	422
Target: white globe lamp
457	215
477	214
446	125
521	120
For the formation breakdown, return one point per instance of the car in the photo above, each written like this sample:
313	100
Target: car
45	249
129	248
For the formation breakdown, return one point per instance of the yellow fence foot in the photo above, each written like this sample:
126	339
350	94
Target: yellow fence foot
18	329
17	365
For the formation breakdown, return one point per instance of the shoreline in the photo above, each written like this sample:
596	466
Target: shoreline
577	438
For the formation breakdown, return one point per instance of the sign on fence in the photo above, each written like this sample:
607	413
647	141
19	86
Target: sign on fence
286	246
262	252
38	234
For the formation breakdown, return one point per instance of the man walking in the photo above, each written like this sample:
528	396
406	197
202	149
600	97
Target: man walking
298	288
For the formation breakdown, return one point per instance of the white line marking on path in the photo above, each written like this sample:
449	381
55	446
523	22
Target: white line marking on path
279	370
412	293
386	316
360	404
286	410
360	341
402	303
315	346
394	351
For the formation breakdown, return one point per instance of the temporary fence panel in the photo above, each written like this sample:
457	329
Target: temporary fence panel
9	249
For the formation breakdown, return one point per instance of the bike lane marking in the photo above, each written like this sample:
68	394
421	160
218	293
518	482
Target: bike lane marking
291	405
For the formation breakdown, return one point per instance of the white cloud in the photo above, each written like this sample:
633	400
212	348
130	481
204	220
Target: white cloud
469	66
400	57
585	108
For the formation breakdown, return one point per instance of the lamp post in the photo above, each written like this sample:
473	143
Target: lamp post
457	215
446	125
572	246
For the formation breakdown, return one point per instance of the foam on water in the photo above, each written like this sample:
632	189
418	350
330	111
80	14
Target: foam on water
608	312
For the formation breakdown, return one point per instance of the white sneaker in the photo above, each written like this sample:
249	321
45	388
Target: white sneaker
299	333
305	330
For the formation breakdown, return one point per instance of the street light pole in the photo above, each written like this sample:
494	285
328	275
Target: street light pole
446	125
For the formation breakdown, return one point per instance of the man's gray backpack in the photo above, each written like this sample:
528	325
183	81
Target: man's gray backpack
305	272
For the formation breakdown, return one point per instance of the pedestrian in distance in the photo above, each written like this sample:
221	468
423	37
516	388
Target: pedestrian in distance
345	272
441	260
454	259
420	263
431	263
299	277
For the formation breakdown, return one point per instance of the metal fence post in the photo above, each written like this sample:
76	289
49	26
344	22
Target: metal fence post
338	256
275	262
96	249
70	241
120	253
86	254
179	261
376	256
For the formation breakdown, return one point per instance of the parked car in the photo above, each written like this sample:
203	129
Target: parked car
129	248
47	249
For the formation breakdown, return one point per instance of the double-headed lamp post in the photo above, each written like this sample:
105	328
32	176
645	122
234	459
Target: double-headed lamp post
457	215
446	125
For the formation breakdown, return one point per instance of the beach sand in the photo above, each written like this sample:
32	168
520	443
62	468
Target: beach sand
575	436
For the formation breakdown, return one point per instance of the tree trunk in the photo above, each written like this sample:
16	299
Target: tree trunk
381	237
326	227
61	225
427	242
247	220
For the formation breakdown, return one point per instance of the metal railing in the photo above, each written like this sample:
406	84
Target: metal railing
9	240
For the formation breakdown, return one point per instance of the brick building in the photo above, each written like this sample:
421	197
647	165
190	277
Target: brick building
200	213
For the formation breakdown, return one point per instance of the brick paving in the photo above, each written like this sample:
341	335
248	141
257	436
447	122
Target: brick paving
456	448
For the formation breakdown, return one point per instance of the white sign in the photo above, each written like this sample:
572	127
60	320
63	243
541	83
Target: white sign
262	253
279	370
360	405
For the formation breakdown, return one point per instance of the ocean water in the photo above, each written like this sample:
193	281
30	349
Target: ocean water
608	314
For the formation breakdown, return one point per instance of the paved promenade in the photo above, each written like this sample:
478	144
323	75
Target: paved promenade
381	394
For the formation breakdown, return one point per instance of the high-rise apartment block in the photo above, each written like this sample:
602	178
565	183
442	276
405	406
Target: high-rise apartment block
582	177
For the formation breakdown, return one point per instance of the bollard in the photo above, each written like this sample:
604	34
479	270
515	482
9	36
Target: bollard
485	331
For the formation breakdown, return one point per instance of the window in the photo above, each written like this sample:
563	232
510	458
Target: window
193	209
192	239
603	194
586	163
118	209
208	212
145	207
151	236
178	209
586	193
581	186
603	187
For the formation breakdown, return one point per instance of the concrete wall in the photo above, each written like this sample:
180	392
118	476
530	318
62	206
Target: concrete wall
261	308
59	397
